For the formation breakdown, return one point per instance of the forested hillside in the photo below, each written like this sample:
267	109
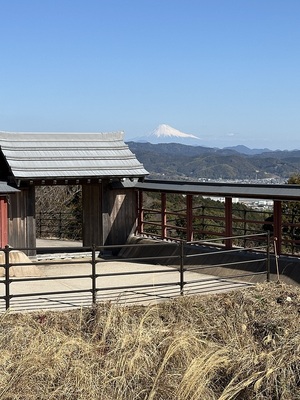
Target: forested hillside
176	161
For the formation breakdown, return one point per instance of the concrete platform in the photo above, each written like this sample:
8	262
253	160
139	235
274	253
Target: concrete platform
57	243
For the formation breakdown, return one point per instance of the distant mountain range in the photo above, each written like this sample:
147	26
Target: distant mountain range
166	134
178	161
168	153
245	150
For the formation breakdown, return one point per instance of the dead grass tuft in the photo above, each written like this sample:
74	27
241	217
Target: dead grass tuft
239	345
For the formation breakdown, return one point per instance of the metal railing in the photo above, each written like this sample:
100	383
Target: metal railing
61	225
207	221
177	273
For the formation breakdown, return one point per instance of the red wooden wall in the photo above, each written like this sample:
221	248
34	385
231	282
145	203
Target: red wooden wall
3	221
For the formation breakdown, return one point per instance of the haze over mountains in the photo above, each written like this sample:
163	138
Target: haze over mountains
170	154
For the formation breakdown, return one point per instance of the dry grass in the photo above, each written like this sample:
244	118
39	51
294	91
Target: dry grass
239	345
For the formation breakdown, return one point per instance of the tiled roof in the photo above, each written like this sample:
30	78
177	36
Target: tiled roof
69	155
7	189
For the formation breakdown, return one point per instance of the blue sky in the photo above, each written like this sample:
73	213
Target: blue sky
227	71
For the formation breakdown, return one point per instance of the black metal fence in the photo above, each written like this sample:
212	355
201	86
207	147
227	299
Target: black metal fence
157	274
61	225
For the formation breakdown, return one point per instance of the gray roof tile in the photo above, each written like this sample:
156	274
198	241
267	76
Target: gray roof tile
67	155
6	189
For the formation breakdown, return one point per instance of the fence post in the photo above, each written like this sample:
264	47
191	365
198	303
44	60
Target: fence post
163	215
94	285
41	223
278	224
203	222
182	283
60	225
7	279
245	226
228	222
268	256
189	217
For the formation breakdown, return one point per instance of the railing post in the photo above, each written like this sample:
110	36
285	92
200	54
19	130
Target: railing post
268	256
245	226
94	277
41	223
163	215
278	225
7	278
139	212
228	222
189	217
203	222
182	283
60	225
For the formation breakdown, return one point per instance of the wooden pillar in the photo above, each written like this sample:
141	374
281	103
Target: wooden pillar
3	222
228	222
140	212
22	228
163	215
107	201
189	218
31	223
277	225
92	215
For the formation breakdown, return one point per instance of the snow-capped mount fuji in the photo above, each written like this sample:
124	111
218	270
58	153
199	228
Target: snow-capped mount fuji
164	130
166	134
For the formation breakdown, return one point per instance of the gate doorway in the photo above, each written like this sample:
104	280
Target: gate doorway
59	212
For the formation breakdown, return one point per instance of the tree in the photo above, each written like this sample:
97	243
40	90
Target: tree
294	179
59	211
290	220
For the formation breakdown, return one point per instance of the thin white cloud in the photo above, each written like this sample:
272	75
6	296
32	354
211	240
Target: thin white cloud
232	134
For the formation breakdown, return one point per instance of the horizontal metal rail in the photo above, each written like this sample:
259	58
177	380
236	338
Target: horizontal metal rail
226	264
